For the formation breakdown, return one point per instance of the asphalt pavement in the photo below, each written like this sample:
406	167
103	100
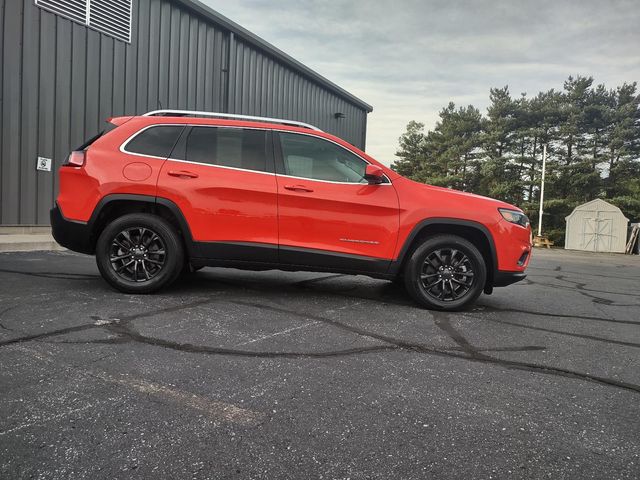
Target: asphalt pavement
278	375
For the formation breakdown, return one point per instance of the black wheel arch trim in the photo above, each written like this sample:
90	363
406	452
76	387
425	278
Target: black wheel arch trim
408	243
150	199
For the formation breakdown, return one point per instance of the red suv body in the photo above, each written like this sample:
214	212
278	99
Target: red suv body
167	192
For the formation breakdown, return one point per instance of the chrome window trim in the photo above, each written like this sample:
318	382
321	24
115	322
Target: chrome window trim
334	181
130	138
220	166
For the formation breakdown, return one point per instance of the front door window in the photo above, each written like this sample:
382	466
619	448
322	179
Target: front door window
318	159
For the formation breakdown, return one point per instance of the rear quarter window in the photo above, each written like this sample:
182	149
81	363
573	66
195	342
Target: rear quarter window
109	126
157	141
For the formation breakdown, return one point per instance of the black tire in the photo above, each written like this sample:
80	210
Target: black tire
140	238
446	272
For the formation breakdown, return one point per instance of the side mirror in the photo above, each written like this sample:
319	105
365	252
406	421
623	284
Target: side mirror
373	174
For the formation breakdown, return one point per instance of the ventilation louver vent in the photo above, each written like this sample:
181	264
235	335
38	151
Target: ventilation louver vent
111	17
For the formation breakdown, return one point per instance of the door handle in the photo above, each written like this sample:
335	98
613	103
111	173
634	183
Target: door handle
182	173
298	188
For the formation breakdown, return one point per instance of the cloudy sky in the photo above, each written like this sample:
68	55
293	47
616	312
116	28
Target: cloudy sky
409	58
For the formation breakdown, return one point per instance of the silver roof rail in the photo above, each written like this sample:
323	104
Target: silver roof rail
194	113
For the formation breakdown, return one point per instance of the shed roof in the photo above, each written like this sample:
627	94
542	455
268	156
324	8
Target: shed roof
596	205
219	19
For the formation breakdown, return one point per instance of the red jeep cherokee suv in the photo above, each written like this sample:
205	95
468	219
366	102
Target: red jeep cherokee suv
169	191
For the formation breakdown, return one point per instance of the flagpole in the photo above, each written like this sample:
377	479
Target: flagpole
544	167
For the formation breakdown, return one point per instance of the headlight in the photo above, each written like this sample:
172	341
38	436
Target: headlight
514	216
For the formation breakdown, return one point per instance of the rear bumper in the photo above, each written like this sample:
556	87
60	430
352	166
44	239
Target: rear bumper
502	279
70	234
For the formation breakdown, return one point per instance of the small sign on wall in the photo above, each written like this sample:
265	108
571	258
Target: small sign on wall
43	164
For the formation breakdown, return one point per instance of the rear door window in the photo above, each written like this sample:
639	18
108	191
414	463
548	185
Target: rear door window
155	141
228	147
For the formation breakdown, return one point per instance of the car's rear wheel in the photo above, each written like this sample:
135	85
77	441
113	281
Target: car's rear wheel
446	272
139	253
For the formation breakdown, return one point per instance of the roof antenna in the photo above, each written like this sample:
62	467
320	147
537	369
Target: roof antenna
160	104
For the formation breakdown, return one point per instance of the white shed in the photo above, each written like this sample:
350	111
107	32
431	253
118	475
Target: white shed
596	226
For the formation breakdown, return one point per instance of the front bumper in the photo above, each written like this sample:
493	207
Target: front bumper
513	248
70	234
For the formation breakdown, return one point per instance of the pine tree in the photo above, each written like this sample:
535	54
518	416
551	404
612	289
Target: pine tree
412	150
451	148
623	142
593	145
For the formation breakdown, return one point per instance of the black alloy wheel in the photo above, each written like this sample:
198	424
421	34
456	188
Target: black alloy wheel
445	272
139	253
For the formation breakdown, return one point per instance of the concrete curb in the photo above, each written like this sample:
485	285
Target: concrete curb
28	242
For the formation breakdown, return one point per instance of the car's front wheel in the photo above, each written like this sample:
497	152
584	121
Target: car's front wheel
139	253
446	272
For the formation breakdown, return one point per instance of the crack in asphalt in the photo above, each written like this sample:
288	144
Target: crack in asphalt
581	286
252	353
472	353
2	312
121	326
476	355
57	275
557	269
490	308
53	333
561	332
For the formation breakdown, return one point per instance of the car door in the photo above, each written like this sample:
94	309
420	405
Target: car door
223	181
328	215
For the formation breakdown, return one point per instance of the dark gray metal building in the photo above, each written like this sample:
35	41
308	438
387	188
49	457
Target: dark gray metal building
67	65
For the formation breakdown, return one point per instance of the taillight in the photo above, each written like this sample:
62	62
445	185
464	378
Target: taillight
76	159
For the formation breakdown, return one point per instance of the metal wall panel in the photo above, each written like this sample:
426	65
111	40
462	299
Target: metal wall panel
31	105
265	87
2	117
11	89
59	81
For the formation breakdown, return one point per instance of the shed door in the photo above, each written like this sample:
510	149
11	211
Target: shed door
597	234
